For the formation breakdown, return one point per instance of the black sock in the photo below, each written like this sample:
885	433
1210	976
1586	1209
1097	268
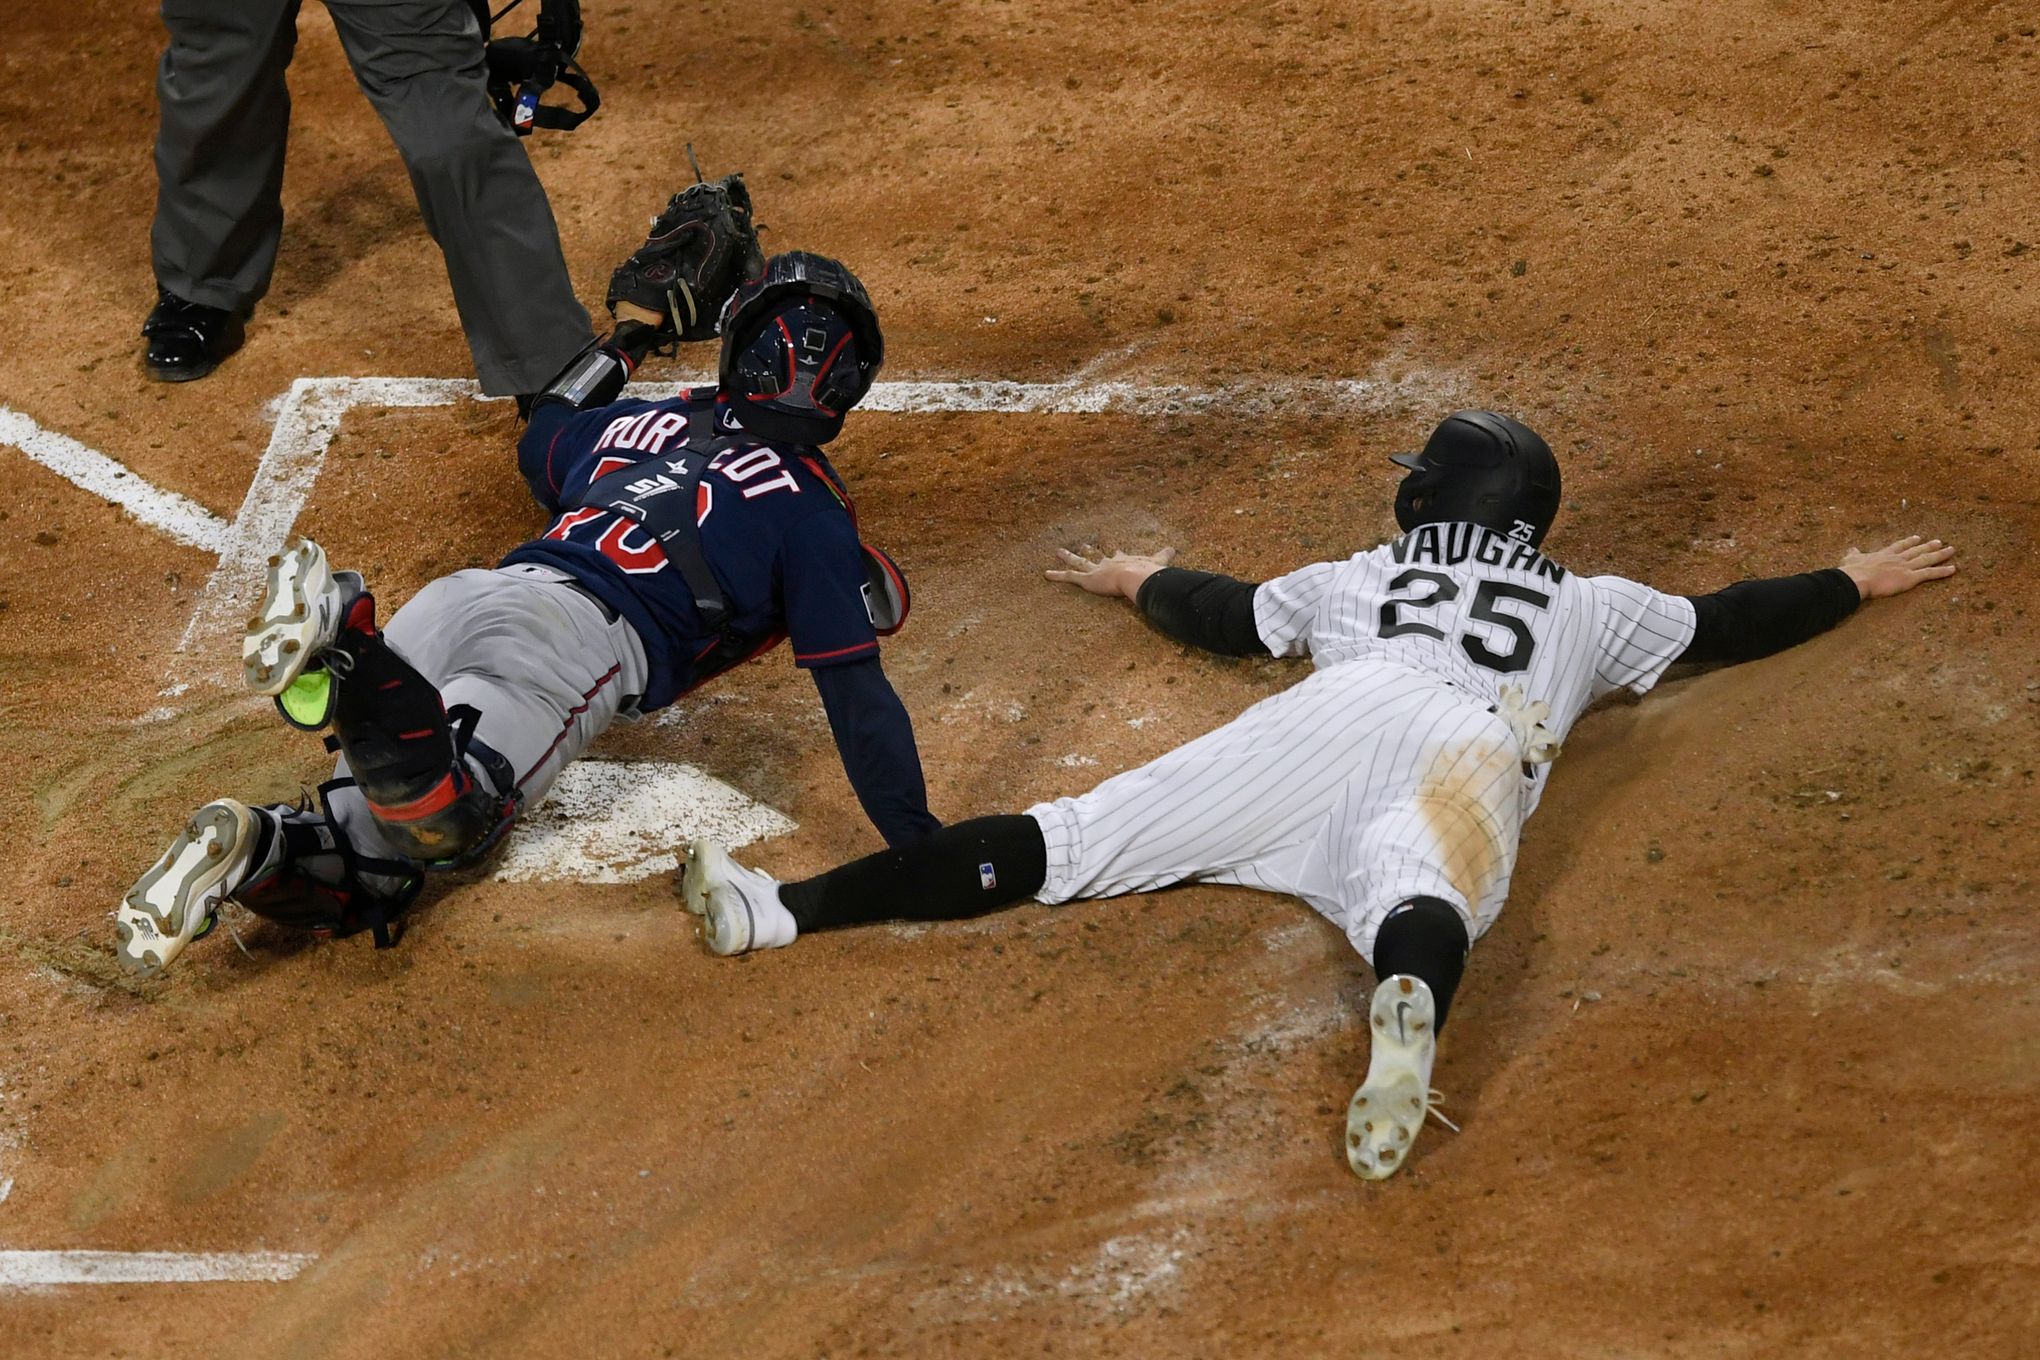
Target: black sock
961	871
1424	938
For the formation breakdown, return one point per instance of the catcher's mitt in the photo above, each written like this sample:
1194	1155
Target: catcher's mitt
699	250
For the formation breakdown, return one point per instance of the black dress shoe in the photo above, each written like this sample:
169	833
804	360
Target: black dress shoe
186	339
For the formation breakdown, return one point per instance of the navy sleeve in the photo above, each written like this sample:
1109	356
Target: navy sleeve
1753	619
876	741
1203	609
562	443
822	592
539	456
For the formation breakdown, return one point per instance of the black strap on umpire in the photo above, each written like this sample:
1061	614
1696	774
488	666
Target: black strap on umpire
521	70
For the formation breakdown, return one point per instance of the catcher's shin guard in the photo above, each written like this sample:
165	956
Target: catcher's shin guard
319	883
442	796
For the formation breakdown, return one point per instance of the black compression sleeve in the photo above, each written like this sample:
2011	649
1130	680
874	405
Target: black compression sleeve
1753	619
1203	609
961	871
1424	937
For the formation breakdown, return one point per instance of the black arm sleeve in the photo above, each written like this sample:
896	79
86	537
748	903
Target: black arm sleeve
1753	619
1203	609
876	740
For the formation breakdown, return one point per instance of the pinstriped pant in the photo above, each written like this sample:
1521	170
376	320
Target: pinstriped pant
1361	787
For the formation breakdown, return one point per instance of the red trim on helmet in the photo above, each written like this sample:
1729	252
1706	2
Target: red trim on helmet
814	386
792	363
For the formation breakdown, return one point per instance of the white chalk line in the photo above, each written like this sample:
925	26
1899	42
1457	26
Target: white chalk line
308	417
41	1269
184	520
10	1141
309	414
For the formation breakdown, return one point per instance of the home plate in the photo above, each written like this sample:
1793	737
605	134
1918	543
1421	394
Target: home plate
617	821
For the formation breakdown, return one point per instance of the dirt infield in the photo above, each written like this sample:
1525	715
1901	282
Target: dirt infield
1751	1064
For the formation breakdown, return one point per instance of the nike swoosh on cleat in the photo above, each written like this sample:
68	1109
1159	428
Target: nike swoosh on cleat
1401	1031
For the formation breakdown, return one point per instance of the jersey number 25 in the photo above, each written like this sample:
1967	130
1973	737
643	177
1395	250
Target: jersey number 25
1488	598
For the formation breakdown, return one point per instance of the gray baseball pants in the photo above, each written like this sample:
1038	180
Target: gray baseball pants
545	665
225	117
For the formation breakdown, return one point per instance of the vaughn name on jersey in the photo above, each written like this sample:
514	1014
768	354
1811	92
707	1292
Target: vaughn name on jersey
1477	609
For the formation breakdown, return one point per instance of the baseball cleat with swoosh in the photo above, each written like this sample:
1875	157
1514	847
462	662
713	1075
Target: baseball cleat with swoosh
1388	1110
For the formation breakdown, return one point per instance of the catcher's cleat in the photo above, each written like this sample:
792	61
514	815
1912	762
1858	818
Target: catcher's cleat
305	604
224	846
1389	1108
739	908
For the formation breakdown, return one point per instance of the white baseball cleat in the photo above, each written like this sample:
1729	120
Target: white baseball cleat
739	908
304	603
1389	1108
173	903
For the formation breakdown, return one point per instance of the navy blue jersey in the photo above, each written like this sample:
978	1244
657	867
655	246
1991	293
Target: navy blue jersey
776	530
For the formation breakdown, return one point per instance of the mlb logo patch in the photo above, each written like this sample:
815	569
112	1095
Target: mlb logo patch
988	877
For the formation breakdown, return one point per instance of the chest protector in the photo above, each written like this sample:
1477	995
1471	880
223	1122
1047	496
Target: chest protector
663	495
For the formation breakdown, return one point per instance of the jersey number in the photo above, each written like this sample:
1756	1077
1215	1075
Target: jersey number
1486	608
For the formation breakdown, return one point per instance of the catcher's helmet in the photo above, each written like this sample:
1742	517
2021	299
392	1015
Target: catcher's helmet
800	347
1481	467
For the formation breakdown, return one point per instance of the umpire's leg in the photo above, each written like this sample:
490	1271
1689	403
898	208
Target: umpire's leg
224	115
420	62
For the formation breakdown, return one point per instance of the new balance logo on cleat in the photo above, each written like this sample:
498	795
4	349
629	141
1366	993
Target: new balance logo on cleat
305	604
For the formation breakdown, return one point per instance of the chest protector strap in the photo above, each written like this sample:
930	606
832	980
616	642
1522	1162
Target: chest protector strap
663	495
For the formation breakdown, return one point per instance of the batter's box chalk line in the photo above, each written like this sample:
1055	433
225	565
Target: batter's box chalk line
46	1269
605	822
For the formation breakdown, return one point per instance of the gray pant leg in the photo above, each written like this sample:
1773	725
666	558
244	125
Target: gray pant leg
224	114
541	663
420	63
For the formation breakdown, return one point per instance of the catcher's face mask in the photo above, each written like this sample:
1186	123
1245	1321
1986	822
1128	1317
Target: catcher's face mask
804	358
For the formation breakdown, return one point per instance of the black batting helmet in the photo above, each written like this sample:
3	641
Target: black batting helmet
1481	467
800	347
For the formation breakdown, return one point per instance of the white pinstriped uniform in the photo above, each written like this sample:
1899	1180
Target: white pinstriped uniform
1384	775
